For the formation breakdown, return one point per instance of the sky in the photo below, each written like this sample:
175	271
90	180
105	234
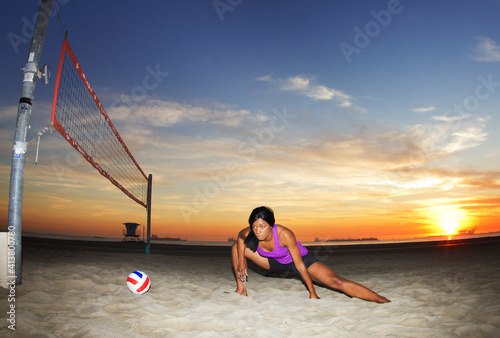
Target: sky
350	119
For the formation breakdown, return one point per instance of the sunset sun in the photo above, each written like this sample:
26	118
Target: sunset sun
450	226
448	219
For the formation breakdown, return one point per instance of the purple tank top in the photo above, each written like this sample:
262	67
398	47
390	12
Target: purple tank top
280	254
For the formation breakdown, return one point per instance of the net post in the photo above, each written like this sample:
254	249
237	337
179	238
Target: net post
150	188
22	125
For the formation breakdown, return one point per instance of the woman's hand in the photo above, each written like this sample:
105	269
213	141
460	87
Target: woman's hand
242	270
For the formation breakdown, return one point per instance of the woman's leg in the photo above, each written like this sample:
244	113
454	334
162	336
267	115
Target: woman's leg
322	274
254	257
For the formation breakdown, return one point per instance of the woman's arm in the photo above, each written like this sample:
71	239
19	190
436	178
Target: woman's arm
241	246
287	238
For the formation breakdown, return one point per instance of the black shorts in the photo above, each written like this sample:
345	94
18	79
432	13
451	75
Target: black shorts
275	266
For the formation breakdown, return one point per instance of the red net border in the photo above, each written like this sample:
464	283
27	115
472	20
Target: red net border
67	49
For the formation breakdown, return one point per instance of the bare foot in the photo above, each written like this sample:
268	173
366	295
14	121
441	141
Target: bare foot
382	299
241	292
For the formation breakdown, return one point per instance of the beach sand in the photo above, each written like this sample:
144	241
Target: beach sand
78	289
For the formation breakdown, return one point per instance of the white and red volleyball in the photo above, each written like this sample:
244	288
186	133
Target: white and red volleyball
138	282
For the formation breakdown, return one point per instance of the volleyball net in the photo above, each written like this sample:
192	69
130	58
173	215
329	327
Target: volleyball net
78	115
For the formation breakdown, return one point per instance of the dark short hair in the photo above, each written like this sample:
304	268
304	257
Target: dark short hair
264	213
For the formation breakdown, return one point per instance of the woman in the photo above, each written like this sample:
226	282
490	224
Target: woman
274	247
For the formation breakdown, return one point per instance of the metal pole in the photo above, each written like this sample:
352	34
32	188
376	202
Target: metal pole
150	190
20	145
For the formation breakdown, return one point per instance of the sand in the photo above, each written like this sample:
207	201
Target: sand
77	289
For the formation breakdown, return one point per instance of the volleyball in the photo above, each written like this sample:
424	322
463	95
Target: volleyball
138	282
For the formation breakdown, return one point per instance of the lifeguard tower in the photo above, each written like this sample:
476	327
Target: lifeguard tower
131	233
